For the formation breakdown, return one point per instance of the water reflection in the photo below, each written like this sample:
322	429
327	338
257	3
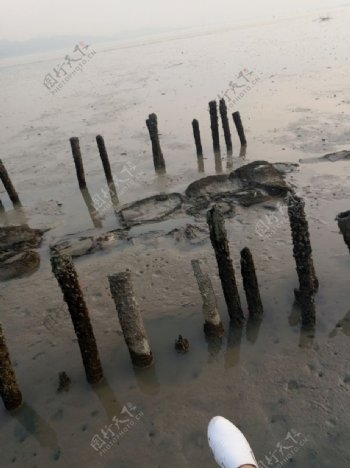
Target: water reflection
147	380
36	426
218	162
95	217
4	219
200	163
295	315
214	346
243	152
233	350
253	329
306	338
229	160
16	216
107	398
306	334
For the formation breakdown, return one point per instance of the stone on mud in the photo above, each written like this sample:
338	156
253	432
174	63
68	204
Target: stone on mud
17	265
248	185
261	175
16	257
15	238
151	209
78	246
209	186
285	168
190	233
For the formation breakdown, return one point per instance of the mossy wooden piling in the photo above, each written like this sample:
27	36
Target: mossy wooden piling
130	319
218	237
66	275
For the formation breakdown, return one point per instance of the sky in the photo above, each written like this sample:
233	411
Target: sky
25	19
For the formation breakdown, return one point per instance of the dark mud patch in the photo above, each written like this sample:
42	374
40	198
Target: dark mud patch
151	209
76	245
343	155
17	259
249	185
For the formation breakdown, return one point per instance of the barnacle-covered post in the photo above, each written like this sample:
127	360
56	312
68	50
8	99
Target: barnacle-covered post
212	321
9	390
130	319
67	278
218	237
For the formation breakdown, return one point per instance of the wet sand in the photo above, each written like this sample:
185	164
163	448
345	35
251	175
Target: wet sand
270	380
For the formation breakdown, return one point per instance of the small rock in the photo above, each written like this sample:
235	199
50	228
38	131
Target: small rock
64	382
182	345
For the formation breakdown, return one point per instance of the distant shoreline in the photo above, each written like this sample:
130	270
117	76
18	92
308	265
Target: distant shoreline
44	48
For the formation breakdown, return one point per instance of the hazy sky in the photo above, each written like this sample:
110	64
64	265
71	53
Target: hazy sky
23	19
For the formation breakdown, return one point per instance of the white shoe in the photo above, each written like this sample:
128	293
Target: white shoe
229	446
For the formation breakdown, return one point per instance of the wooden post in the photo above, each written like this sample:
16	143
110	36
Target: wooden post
158	159
74	142
250	283
107	169
5	178
9	390
64	271
212	321
243	152
239	127
302	252
213	110
225	125
197	137
343	220
94	214
219	242
198	142
130	319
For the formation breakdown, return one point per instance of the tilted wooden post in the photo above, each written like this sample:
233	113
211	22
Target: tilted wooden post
197	137
158	159
130	319
239	127
302	252
5	178
214	125
225	125
107	169
250	283
75	145
212	321
9	390
198	142
64	271
219	242
94	215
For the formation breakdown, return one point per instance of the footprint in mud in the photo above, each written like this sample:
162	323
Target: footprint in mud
294	385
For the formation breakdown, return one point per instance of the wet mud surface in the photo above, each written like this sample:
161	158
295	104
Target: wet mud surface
269	377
